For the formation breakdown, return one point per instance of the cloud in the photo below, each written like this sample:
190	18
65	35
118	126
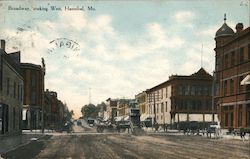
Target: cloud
184	18
109	62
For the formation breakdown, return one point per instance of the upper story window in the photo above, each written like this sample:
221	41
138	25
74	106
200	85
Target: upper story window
217	87
226	61
192	90
8	86
240	86
225	87
186	90
33	80
166	92
218	62
14	90
180	89
233	58
241	54
205	91
33	98
231	86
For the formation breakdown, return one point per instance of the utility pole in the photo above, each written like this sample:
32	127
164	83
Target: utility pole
43	74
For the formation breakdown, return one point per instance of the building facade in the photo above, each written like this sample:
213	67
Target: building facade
232	54
182	98
191	98
111	109
54	111
158	103
11	92
33	76
142	102
123	106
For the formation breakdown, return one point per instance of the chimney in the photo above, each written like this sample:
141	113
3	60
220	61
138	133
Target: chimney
239	27
3	44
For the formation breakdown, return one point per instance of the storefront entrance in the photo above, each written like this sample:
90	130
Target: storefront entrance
4	116
248	115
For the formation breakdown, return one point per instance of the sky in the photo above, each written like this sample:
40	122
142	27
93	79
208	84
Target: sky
116	49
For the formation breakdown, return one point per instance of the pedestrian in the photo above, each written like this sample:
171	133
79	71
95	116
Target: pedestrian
242	134
156	126
165	127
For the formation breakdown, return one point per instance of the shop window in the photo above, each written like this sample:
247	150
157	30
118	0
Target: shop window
231	118
14	118
226	119
248	114
240	116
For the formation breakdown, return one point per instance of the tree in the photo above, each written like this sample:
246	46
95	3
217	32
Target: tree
89	111
101	107
92	111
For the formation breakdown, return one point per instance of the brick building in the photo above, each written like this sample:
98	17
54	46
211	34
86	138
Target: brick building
232	68
182	98
11	92
33	101
54	110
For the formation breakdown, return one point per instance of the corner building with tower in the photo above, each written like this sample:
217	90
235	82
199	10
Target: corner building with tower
232	76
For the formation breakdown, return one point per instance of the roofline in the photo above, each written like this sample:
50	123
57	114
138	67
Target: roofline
31	66
236	36
11	62
178	77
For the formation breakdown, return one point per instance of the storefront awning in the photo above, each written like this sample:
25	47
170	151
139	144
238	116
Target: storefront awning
126	118
118	118
246	80
144	117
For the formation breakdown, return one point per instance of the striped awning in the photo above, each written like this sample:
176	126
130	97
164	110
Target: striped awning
144	117
246	80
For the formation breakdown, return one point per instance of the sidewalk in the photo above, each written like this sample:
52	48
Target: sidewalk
223	134
8	143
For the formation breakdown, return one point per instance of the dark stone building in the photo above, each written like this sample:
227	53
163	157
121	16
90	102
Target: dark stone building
11	92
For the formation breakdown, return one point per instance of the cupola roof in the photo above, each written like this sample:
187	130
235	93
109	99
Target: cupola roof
224	30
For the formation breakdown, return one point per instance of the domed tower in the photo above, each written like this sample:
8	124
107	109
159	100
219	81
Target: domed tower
223	34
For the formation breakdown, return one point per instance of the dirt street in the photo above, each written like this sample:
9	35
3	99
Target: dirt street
118	146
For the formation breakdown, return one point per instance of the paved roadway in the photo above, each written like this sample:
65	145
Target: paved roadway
117	146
